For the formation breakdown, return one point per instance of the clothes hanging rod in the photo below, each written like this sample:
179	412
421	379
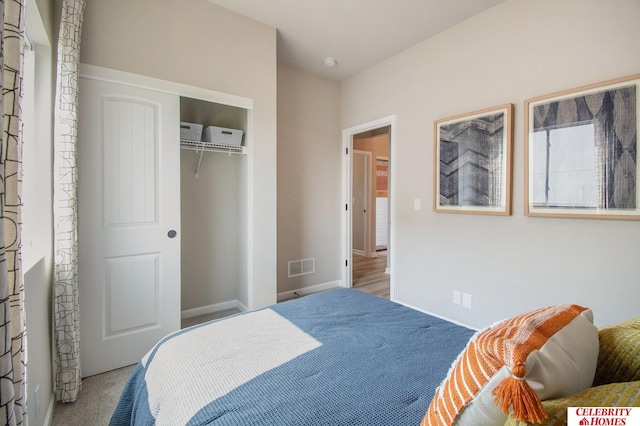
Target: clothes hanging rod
202	147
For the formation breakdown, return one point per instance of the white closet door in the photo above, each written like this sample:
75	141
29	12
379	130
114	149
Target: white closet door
129	222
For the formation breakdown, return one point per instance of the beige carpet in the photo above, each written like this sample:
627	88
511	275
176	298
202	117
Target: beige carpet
96	401
100	393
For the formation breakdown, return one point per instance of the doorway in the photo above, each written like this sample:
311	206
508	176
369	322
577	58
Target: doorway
368	195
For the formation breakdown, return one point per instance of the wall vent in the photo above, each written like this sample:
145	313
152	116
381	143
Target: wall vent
301	267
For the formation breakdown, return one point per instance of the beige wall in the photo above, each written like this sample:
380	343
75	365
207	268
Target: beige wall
193	42
196	43
309	155
512	52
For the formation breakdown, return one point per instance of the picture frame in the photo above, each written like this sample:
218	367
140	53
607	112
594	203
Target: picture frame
581	152
473	162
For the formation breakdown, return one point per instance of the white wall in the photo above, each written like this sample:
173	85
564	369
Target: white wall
196	43
514	51
37	289
37	232
309	154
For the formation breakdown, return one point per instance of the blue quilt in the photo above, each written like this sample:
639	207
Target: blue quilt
341	357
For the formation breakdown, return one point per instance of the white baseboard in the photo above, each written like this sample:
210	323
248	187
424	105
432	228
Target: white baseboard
436	315
236	304
216	307
286	295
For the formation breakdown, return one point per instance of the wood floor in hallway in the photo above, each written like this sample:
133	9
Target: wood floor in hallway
369	274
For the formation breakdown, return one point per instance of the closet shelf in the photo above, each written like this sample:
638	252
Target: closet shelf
211	147
202	146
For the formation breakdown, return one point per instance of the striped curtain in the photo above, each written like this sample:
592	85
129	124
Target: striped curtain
66	319
13	350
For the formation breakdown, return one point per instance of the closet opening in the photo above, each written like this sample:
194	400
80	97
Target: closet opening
213	208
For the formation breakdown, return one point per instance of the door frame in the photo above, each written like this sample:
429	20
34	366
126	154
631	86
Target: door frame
347	182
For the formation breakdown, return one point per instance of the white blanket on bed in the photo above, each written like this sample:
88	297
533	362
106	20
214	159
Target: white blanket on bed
227	354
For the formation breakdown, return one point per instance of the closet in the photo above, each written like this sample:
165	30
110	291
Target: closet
162	228
213	194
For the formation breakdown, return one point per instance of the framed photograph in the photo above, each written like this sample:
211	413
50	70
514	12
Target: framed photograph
472	156
581	152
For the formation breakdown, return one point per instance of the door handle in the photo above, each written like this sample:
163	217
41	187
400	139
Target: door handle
172	234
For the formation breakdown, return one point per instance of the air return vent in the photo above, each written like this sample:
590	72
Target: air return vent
302	267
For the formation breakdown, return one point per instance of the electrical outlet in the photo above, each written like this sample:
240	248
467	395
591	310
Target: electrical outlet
456	297
466	300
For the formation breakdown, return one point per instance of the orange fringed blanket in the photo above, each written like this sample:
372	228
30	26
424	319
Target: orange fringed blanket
507	343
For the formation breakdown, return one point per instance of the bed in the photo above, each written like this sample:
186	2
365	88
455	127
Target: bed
340	357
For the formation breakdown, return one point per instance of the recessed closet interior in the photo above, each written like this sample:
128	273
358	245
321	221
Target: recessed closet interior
213	197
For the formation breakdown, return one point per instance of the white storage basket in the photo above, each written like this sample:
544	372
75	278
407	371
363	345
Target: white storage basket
223	136
190	131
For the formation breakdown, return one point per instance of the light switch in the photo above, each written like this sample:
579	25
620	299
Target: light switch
416	203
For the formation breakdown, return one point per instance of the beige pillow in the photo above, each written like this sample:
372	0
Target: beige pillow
547	353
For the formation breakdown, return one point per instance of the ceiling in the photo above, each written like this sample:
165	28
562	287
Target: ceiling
357	33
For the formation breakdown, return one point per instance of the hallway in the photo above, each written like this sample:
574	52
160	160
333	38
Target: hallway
369	274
